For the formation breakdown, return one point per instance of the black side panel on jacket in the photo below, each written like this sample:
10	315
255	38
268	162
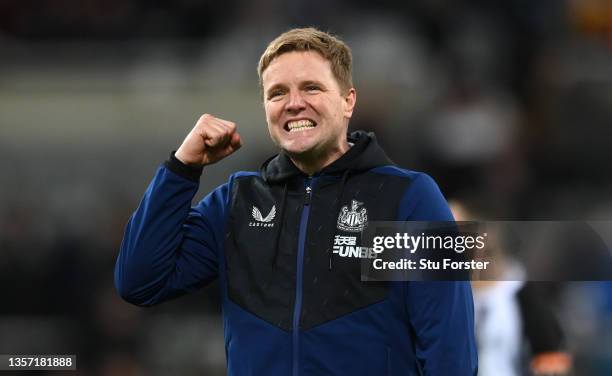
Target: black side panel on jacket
260	279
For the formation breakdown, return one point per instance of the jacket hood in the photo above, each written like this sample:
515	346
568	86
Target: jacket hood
365	154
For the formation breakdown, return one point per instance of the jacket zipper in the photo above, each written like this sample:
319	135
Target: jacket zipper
297	308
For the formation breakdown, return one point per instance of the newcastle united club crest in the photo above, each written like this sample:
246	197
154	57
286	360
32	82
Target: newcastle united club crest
353	220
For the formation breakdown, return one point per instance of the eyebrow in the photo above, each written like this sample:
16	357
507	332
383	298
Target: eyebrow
312	82
302	84
276	86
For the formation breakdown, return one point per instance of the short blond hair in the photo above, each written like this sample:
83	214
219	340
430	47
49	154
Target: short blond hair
330	47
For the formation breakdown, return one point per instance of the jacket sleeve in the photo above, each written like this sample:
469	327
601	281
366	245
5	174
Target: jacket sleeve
170	248
441	313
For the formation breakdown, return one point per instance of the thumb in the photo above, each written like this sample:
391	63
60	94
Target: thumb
236	141
234	144
215	140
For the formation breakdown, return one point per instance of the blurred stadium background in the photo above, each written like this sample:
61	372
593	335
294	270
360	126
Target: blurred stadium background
509	101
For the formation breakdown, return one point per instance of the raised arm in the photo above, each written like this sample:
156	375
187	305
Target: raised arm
170	248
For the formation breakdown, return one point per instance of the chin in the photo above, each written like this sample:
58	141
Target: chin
297	152
297	147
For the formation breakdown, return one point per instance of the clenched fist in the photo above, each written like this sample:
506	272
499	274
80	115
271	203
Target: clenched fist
210	140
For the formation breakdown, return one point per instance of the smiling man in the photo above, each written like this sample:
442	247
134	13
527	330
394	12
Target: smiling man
307	108
293	304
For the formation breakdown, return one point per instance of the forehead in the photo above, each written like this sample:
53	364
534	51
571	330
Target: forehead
296	66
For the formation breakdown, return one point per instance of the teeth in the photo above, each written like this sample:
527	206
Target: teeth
300	125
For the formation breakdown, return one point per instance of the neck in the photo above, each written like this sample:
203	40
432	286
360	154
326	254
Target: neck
313	163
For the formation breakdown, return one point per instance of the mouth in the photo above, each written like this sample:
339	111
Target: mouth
299	125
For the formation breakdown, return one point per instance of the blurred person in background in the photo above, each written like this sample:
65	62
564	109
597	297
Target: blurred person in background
517	331
292	303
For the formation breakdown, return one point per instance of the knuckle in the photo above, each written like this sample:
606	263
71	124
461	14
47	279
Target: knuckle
205	118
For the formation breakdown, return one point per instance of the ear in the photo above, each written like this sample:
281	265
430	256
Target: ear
349	102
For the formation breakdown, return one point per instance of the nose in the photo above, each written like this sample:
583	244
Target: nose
296	102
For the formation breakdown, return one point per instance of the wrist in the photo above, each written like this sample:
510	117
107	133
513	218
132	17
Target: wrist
181	157
191	172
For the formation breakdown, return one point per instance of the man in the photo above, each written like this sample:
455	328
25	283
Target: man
292	303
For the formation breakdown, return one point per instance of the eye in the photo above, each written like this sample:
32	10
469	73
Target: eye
313	87
274	94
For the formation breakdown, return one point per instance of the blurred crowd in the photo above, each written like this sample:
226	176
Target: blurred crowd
507	102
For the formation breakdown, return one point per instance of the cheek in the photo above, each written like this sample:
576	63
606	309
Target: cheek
272	112
272	131
331	107
272	119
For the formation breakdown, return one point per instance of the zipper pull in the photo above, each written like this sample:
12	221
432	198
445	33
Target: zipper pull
308	192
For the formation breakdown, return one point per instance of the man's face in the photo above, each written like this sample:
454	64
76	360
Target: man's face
306	111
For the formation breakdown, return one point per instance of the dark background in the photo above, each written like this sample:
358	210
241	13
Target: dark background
507	101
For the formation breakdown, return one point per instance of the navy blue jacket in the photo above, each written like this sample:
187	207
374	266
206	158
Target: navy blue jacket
293	304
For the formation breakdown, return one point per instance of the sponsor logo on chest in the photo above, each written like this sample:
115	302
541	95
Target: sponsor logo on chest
260	220
346	246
